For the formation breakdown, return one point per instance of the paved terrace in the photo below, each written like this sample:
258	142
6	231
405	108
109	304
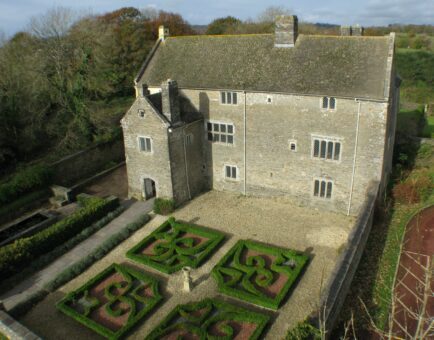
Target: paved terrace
276	221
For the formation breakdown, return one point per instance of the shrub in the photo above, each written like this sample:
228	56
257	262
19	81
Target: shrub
173	250
164	206
304	331
415	189
27	180
16	255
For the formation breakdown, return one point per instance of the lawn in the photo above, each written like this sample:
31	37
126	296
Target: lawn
428	130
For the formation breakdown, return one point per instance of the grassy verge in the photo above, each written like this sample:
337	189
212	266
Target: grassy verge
373	282
428	129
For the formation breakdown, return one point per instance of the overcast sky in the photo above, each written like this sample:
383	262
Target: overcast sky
14	14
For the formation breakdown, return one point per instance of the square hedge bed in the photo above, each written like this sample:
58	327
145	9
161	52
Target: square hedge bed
113	301
258	273
176	245
210	319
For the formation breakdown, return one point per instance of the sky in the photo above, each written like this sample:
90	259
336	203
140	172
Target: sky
15	14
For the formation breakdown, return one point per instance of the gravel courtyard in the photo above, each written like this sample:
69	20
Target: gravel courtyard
277	221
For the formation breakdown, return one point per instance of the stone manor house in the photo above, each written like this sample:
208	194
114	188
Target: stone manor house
305	116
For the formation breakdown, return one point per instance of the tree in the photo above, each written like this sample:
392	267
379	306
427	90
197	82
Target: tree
223	25
270	13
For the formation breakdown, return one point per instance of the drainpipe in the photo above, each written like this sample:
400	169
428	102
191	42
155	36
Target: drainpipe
185	161
355	155
245	147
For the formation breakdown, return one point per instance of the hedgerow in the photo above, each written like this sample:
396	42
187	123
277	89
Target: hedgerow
164	206
174	250
139	306
79	267
16	255
183	317
235	276
29	179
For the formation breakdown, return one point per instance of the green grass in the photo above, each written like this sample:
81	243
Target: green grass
80	303
409	121
174	250
428	130
245	277
3	337
184	318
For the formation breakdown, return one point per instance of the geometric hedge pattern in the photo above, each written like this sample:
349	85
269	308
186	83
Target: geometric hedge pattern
210	319
258	273
175	245
113	301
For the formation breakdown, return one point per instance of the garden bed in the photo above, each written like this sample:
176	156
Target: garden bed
175	245
258	273
210	319
113	301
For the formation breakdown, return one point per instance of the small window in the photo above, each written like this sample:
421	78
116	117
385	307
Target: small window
328	103
141	113
269	99
231	172
189	139
230	98
326	149
145	144
293	145
220	133
323	188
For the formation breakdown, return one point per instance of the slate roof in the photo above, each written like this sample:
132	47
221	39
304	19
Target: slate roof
317	65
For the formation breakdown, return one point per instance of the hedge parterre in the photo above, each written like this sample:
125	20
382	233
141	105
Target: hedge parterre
210	319
258	273
113	301
176	245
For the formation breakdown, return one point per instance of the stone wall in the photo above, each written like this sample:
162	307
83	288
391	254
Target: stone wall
340	281
86	163
140	165
264	153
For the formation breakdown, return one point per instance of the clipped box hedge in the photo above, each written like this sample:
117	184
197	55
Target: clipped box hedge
198	318
20	253
246	278
140	306
173	249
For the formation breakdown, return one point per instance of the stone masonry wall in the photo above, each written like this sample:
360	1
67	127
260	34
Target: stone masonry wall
272	168
86	163
141	165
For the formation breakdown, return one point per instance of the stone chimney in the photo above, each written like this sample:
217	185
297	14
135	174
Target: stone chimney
163	33
357	30
142	90
170	101
346	30
286	31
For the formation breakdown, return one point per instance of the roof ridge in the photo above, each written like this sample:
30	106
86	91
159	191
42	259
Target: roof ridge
217	35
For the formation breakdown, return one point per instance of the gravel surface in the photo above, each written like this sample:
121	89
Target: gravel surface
276	221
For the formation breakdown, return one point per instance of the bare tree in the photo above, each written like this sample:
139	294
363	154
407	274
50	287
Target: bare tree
270	13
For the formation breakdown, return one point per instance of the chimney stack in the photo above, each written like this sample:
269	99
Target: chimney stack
163	33
286	31
170	101
356	30
346	30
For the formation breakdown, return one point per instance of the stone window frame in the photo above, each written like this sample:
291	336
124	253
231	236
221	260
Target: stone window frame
292	142
327	139
327	108
232	166
141	113
151	151
269	99
189	139
328	182
225	95
207	132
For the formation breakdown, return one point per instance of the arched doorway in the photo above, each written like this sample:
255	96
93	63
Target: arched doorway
149	190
